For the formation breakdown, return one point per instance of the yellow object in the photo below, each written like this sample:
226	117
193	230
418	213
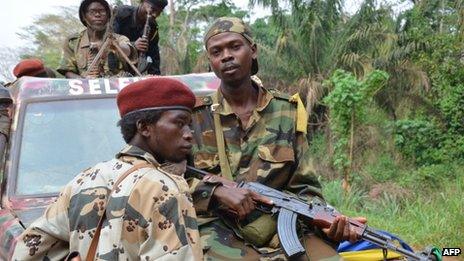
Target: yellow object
368	255
301	115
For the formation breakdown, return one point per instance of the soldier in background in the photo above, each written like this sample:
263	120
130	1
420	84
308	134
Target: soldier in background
150	214
130	21
261	135
81	49
33	67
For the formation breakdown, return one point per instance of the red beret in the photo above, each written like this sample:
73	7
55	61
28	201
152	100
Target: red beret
155	93
29	67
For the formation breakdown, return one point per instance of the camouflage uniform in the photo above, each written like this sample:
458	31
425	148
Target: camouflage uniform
269	150
150	215
77	56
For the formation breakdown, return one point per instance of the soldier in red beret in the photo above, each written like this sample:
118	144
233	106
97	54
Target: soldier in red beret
139	201
32	67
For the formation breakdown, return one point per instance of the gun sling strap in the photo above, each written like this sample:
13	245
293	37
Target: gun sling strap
94	243
223	160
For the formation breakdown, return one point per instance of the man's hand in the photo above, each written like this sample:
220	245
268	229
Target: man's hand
340	229
141	44
240	201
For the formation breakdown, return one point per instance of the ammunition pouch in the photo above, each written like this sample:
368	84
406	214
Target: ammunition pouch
260	231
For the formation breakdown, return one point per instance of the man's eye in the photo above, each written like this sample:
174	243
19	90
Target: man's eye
214	52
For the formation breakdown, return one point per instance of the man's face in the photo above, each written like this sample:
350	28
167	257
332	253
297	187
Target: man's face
230	56
153	10
96	16
170	138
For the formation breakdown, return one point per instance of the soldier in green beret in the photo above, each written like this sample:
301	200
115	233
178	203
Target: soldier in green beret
246	132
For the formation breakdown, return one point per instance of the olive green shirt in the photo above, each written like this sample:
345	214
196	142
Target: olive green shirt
268	150
77	56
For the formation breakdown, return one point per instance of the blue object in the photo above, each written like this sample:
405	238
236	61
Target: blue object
346	246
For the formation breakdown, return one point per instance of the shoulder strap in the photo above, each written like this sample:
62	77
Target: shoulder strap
223	160
94	243
301	114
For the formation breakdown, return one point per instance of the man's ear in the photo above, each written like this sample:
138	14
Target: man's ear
143	128
254	50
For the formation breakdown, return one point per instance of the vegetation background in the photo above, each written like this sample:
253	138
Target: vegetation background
384	89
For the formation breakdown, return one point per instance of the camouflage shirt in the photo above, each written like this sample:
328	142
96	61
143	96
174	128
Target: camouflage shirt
269	150
78	54
150	215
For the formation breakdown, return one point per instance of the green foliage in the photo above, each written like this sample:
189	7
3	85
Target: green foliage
425	218
431	176
47	34
347	102
384	168
335	196
452	107
181	34
419	140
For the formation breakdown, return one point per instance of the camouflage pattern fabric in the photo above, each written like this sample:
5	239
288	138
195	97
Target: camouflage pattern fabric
78	54
150	215
229	24
220	243
268	150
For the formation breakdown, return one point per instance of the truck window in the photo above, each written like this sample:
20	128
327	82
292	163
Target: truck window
62	138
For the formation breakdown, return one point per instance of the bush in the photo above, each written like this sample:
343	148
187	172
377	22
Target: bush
419	140
384	169
431	176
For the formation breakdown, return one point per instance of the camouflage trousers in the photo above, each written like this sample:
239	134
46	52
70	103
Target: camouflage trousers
221	243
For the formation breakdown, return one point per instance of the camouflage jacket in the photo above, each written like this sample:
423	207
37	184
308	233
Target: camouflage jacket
269	150
77	56
150	215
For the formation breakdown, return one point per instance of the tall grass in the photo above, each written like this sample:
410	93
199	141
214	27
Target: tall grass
424	218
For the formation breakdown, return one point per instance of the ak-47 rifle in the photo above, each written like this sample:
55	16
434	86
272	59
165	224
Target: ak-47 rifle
144	62
289	208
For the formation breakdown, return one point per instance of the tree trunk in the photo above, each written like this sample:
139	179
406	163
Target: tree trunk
172	15
346	184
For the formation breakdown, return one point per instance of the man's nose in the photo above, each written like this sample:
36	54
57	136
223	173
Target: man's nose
188	134
226	55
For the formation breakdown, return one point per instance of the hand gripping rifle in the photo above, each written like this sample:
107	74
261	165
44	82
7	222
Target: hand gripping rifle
144	62
289	208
